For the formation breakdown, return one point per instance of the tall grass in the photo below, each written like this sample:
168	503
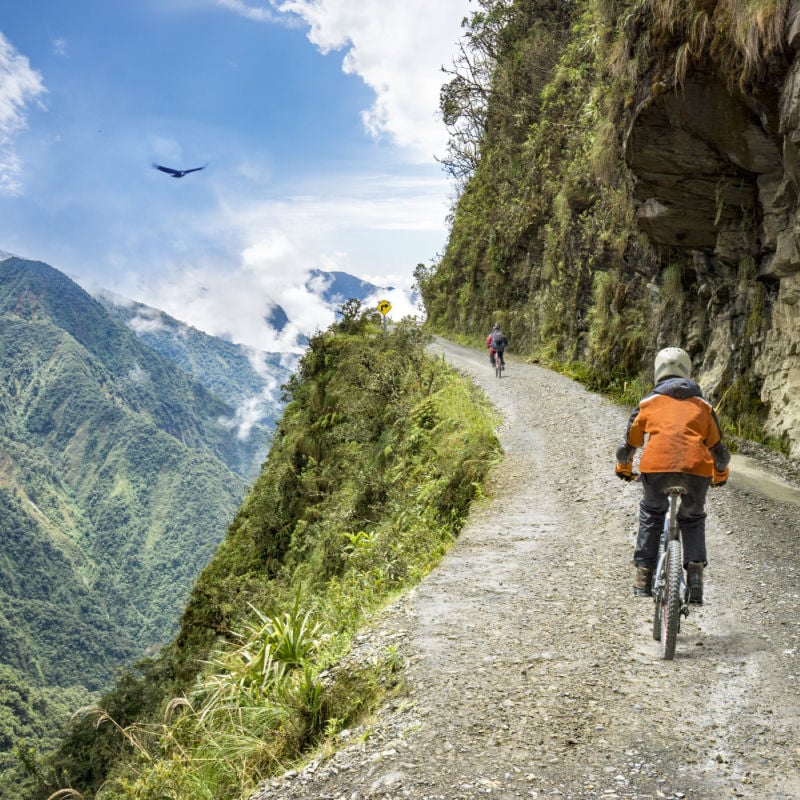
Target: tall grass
743	34
389	497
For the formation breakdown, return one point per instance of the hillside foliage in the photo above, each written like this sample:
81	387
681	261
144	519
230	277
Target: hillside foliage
246	380
115	489
544	237
376	459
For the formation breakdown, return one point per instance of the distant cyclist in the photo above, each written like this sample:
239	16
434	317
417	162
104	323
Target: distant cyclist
684	448
497	343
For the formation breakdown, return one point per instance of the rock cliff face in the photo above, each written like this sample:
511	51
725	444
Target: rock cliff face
717	171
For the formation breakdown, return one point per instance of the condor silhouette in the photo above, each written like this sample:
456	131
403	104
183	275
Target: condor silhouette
177	173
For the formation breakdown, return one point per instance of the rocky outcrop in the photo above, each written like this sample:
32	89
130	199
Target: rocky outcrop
779	360
718	186
698	153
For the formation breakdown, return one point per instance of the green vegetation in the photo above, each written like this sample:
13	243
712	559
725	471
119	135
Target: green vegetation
544	237
224	368
29	722
378	455
541	228
114	494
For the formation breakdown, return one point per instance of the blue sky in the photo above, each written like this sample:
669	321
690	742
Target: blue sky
318	120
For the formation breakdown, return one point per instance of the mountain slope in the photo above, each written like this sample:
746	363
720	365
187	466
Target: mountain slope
374	463
112	458
633	192
336	287
129	375
247	380
116	484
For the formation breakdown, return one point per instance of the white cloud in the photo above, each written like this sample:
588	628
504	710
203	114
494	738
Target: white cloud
397	48
20	85
234	303
356	203
377	227
60	47
148	321
252	411
256	13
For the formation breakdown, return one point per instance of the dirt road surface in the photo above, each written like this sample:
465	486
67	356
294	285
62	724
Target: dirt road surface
531	668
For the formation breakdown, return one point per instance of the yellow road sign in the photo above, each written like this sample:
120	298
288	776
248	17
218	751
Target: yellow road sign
384	306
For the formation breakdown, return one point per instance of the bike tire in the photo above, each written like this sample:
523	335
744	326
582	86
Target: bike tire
671	612
498	370
658	594
658	611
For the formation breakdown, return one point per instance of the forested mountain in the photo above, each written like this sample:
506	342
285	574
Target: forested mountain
248	381
126	442
117	481
375	461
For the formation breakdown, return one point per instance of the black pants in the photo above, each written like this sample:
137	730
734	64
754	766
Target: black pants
691	516
497	354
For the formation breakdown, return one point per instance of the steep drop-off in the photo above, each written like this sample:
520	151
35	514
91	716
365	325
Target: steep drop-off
378	454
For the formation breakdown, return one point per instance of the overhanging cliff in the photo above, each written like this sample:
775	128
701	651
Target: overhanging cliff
716	179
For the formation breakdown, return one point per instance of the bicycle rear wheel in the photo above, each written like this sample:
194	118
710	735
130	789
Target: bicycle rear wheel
658	593
671	610
658	612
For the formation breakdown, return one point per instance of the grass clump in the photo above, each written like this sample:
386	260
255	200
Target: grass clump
742	414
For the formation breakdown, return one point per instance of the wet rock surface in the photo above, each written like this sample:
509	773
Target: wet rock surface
531	669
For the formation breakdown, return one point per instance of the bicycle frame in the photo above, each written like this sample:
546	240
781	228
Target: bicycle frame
498	359
670	578
670	533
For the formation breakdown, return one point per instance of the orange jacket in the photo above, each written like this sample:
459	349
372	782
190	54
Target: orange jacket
683	433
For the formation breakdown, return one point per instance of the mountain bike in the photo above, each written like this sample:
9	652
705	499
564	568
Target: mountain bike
670	589
499	363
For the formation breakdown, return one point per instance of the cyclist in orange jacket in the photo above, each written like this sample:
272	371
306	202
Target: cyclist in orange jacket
684	448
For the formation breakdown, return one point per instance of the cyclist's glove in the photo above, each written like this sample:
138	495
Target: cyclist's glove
624	471
719	477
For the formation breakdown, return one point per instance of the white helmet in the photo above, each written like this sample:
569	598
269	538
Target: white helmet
672	362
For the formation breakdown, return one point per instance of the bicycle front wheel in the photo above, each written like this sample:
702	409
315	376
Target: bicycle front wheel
658	593
671	611
658	613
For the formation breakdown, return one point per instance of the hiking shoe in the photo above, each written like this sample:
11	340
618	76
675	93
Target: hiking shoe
694	577
643	582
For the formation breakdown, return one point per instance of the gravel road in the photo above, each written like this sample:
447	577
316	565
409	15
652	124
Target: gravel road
531	668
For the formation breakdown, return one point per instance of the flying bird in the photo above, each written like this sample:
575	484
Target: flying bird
177	173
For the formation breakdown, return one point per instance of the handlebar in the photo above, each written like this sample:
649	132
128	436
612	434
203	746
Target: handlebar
635	476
